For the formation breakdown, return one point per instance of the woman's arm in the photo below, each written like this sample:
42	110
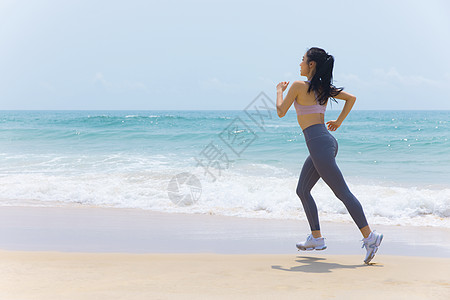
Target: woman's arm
283	106
349	102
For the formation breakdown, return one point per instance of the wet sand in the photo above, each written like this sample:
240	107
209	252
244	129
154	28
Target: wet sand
108	253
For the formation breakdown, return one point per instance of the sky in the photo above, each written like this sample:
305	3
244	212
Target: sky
218	55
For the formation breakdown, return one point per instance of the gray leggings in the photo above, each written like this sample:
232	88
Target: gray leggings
321	163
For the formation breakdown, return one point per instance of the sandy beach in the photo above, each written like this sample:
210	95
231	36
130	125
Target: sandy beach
56	275
107	253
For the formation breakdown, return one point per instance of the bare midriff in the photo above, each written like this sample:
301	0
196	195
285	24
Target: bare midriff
310	119
307	120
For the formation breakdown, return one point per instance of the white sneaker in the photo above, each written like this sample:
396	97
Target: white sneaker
371	243
312	243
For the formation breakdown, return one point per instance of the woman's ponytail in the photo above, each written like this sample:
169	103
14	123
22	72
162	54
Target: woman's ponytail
322	80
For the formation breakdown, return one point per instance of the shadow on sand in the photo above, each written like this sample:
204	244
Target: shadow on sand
319	265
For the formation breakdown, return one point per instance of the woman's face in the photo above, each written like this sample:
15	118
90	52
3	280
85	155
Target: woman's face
305	68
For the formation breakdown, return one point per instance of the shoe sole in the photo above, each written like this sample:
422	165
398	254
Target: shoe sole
377	244
312	248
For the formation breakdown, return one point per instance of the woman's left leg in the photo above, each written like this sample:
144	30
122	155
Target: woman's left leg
325	150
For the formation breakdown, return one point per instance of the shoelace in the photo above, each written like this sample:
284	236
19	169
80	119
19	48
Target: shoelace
310	237
366	244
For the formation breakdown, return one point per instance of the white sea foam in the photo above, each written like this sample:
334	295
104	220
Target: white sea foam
258	191
128	158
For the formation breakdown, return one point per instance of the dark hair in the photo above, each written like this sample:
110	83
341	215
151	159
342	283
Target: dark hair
322	81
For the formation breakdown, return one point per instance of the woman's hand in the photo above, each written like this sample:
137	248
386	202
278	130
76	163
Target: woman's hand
333	125
282	85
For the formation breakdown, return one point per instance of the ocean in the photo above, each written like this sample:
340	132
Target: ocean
243	163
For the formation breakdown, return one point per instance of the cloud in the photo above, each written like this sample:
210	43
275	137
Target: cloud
268	81
391	76
216	84
99	78
349	78
135	86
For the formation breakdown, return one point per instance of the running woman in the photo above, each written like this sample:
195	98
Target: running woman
310	99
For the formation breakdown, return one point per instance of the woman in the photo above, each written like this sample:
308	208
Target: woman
311	99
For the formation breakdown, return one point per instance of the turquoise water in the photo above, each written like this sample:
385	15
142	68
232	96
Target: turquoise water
127	158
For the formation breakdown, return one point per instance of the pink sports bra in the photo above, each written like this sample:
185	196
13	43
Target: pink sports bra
310	109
